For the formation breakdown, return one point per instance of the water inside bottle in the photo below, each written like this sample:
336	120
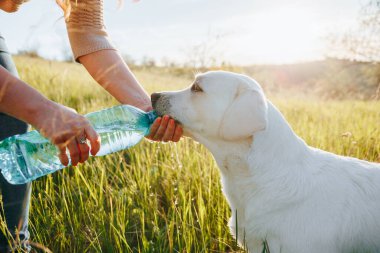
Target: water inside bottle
113	141
36	156
28	156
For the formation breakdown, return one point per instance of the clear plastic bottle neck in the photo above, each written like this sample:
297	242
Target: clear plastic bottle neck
152	115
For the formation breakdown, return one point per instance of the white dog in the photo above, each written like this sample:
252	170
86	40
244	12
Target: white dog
296	198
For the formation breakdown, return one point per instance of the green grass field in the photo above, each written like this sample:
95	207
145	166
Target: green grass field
159	197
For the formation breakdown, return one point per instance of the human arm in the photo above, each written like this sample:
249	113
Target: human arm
110	71
91	47
56	122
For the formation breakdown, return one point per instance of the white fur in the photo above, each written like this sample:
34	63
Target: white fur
297	198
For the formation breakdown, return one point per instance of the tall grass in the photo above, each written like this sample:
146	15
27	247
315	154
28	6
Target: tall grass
162	197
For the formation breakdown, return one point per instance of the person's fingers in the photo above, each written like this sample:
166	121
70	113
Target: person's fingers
169	132
74	152
62	155
177	133
153	129
94	139
161	130
84	150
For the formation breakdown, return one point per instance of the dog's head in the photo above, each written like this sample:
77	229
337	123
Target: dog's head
217	104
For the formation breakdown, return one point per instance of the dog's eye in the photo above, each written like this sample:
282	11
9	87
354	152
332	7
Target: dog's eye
196	88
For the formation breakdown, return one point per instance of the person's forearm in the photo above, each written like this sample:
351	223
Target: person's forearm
20	100
110	71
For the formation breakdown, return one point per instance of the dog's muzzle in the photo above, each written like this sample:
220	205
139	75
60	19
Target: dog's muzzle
160	103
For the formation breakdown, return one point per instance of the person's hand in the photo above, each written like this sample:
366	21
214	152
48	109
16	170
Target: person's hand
67	129
165	129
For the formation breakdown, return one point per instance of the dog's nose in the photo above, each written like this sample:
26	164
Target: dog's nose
154	98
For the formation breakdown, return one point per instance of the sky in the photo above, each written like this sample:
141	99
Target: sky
234	31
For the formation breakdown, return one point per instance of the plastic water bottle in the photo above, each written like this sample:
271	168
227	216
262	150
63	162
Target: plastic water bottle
28	156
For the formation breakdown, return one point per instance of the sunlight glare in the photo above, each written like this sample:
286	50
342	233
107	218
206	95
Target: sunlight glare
285	35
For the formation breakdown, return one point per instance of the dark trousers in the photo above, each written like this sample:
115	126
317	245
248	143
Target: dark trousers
15	197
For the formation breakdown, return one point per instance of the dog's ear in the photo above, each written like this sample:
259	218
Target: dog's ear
246	115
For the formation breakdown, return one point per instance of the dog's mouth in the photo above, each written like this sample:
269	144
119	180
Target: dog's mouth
162	113
158	112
